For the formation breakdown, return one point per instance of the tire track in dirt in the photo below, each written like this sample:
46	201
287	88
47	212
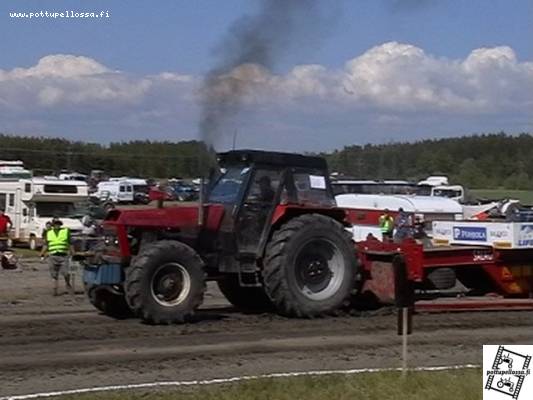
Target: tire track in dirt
63	343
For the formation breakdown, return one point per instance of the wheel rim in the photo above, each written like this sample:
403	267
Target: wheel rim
320	269
171	284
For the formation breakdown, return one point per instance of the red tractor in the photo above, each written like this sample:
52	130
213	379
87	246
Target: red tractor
267	231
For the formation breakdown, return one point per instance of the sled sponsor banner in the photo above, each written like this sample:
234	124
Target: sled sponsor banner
470	233
525	235
506	372
502	235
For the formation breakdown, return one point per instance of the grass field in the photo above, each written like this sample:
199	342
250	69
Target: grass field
460	384
525	196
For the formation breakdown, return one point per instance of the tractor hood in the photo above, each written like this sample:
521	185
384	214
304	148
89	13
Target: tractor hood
172	218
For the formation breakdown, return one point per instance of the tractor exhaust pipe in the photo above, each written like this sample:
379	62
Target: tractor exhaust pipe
201	202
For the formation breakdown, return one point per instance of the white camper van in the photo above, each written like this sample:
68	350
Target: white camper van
123	190
30	203
13	170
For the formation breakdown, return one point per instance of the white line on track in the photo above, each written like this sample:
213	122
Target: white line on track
149	385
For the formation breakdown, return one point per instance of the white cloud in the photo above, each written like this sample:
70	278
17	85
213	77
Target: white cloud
403	77
59	80
58	65
390	85
392	76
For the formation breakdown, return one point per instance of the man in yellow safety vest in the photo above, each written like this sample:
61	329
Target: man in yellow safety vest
386	224
58	246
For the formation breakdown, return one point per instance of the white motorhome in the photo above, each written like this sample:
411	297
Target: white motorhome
13	170
437	186
122	190
30	203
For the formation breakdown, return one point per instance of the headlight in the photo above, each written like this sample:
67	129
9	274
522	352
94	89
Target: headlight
111	240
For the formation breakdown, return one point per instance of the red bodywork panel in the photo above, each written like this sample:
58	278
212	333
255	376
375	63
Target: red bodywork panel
283	211
511	271
167	217
176	219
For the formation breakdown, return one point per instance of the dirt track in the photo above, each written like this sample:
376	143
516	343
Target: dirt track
51	343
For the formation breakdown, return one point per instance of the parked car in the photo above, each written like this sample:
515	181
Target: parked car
185	192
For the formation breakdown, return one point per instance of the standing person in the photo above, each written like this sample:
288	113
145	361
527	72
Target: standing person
5	226
58	246
403	225
386	224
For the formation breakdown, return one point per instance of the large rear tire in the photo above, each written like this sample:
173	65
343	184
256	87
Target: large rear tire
165	283
247	299
109	303
310	267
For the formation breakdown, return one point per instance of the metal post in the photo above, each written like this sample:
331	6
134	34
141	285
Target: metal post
405	305
405	317
234	139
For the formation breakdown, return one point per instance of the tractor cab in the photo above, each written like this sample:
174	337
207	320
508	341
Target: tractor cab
258	190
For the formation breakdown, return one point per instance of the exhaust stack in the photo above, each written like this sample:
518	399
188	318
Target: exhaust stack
201	202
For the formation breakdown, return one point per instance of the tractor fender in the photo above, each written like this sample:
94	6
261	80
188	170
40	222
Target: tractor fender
285	212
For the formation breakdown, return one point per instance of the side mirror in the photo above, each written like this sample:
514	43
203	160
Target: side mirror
24	212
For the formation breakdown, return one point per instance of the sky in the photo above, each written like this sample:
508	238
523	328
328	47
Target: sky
345	72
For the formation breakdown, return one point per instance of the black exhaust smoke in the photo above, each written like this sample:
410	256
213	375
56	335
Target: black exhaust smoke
258	40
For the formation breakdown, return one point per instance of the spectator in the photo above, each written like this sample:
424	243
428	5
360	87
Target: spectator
5	226
403	225
58	247
386	224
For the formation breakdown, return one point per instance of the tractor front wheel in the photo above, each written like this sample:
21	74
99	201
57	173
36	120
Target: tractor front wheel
165	283
108	302
310	267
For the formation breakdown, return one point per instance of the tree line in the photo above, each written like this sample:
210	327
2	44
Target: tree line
488	161
142	158
478	161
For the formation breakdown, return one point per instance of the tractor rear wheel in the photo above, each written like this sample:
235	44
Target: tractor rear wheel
108	302
247	299
165	283
310	267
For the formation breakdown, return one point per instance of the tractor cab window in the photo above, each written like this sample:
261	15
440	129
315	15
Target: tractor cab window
256	209
312	189
263	187
227	187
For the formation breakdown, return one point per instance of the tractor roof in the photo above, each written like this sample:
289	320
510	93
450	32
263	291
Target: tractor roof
271	158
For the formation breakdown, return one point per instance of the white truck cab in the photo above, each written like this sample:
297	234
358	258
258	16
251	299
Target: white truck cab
439	186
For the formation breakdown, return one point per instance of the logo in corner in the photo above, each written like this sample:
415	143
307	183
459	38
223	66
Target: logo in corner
507	372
